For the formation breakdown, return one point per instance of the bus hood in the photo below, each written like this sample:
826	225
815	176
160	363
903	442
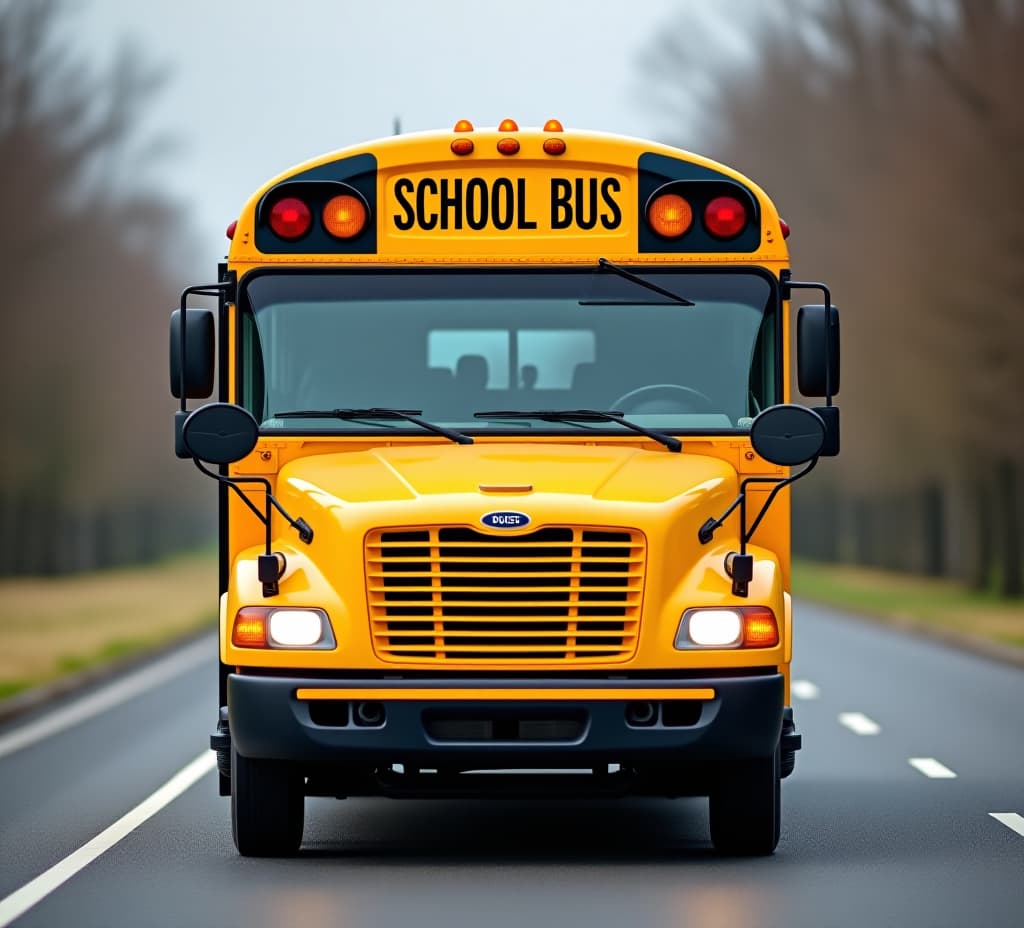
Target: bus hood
504	476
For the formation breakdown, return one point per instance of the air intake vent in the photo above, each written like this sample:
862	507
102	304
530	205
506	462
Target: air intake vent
559	594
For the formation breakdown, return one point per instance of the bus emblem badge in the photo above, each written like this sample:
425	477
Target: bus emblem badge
505	519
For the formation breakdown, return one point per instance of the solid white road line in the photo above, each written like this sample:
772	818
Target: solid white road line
1011	820
930	767
21	900
803	689
109	696
859	724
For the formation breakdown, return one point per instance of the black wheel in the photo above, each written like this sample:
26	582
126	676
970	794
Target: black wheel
267	798
693	400
746	807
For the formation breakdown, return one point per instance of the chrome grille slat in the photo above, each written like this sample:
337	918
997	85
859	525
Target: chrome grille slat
566	594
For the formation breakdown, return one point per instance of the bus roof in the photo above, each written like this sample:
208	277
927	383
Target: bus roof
508	196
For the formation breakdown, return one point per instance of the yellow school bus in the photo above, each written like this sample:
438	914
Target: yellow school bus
503	441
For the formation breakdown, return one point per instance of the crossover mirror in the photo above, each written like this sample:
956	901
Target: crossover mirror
220	433
788	434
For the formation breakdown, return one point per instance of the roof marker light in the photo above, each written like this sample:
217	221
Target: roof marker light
463	125
553	125
508	125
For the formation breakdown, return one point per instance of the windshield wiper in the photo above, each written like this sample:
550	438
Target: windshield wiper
582	415
378	412
628	275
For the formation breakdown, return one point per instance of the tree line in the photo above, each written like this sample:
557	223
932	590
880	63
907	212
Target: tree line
891	135
93	260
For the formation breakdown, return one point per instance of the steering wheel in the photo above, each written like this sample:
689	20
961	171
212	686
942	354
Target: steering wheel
693	399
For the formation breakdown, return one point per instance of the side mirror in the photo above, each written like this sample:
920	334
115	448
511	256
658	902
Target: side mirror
788	435
199	354
220	433
817	350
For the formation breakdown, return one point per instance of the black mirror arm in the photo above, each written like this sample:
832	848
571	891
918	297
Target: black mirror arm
300	525
745	536
789	285
707	531
199	290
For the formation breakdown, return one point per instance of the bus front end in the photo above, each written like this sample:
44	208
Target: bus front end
503	444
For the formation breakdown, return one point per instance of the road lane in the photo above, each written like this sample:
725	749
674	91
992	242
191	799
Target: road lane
58	793
867	838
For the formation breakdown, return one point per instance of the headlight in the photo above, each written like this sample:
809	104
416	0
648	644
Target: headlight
296	628
270	627
746	627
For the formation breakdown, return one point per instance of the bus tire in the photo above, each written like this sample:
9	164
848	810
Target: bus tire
267	806
745	807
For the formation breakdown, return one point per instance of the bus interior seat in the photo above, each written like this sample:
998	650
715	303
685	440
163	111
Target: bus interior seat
471	375
438	391
588	385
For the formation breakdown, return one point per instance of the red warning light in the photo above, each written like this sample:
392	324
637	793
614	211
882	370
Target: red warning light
290	218
725	217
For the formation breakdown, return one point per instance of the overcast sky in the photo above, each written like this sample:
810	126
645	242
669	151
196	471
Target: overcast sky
256	86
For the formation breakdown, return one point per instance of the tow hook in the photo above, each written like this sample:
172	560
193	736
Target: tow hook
790	743
220	741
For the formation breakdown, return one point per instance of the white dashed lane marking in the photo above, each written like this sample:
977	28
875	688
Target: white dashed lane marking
859	723
930	767
803	689
1011	820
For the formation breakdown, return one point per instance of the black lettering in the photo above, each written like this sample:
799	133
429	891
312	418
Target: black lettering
613	218
503	203
586	206
424	219
561	203
403	186
452	201
521	221
476	203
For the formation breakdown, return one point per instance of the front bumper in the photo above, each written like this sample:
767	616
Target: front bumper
498	724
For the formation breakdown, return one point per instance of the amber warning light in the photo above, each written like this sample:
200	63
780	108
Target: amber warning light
344	216
670	215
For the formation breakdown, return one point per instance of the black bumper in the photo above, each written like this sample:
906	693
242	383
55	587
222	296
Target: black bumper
743	718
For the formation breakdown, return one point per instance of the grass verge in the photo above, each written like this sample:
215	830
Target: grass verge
939	606
51	627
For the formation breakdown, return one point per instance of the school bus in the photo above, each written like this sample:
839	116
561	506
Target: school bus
503	439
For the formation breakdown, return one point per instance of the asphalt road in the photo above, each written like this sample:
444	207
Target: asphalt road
911	750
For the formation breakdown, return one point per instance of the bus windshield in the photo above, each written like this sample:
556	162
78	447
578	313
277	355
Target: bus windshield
701	356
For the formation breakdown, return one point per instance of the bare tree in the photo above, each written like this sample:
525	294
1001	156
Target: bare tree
88	476
891	135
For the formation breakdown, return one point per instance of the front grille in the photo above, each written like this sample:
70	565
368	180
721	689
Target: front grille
560	594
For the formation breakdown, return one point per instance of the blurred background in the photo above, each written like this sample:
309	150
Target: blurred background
889	132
